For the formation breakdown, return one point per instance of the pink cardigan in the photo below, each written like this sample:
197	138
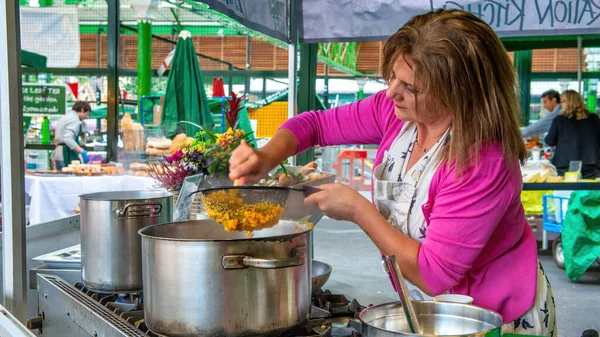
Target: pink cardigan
478	242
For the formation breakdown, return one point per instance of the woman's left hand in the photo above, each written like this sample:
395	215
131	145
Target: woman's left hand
338	201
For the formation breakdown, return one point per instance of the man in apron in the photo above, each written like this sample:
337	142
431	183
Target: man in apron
67	133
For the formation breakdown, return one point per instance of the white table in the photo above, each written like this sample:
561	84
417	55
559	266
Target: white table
54	198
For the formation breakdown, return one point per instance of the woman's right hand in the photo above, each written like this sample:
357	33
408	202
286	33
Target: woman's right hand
248	166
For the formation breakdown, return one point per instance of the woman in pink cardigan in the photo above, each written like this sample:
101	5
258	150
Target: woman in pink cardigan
447	181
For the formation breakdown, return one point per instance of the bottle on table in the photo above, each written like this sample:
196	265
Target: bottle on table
45	130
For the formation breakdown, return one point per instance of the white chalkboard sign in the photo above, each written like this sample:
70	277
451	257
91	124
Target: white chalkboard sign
184	201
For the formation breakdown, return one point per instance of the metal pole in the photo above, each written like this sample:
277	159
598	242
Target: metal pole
292	64
144	61
13	175
247	79
98	47
113	78
173	32
229	81
579	61
523	59
264	87
307	90
326	88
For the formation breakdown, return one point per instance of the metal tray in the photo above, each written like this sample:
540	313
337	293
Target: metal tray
69	257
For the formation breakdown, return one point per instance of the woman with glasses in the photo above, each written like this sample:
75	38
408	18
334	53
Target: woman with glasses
576	135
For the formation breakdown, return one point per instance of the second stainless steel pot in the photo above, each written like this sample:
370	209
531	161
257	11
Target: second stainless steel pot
435	319
200	280
111	252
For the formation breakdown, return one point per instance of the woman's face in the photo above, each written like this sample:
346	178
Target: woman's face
563	102
403	92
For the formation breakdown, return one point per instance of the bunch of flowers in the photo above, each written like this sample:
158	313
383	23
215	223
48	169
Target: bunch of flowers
168	176
208	153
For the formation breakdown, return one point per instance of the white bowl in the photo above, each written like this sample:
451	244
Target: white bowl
454	298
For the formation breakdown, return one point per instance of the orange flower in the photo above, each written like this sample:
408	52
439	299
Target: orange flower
225	140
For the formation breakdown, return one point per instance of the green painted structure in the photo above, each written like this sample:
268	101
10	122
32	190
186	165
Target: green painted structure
144	59
523	60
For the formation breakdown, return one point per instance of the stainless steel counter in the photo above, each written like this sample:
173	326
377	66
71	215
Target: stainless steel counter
42	239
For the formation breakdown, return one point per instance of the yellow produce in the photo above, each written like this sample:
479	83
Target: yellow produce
228	209
543	177
532	178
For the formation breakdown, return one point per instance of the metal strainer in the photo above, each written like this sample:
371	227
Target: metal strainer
233	198
276	195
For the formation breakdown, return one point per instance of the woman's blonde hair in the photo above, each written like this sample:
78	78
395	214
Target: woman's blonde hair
575	106
459	61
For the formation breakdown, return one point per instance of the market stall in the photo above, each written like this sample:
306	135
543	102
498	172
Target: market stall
57	197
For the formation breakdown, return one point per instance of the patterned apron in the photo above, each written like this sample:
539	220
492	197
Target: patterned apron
399	194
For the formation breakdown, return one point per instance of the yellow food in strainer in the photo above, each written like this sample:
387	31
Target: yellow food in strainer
228	209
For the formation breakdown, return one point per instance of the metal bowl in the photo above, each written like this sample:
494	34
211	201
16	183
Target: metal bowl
435	319
320	274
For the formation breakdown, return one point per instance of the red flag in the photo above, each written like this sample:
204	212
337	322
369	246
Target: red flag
74	89
218	87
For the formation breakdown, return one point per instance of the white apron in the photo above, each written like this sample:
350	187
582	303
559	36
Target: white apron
399	194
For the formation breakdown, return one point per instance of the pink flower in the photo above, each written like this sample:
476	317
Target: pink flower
177	156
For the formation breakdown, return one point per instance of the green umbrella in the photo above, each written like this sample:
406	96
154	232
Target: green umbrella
185	98
33	60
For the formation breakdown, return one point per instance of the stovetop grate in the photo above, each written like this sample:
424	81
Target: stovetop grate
330	313
90	302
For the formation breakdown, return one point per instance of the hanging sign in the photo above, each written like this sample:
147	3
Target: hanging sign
44	99
359	20
269	17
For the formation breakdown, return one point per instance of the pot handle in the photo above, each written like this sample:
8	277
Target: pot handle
139	211
245	261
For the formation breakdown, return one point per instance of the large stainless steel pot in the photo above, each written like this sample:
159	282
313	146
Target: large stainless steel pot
435	319
111	251
200	280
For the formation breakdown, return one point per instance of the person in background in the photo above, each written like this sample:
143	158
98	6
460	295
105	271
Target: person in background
550	102
576	135
67	133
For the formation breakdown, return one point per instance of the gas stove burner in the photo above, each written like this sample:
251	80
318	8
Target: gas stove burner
131	301
141	325
326	327
336	305
331	314
128	306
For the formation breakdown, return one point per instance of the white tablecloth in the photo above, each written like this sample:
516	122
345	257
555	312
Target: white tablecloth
54	198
